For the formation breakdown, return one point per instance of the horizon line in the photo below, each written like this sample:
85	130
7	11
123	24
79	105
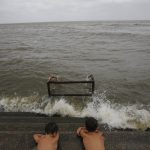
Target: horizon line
107	20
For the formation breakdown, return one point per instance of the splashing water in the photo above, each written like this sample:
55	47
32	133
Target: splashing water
115	115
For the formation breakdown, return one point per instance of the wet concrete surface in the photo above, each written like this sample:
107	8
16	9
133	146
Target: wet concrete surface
17	129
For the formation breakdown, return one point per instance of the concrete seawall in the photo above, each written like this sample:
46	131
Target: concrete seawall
16	130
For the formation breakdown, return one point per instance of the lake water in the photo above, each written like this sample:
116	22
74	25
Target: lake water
116	53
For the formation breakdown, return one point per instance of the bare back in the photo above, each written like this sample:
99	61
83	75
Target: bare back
92	140
47	142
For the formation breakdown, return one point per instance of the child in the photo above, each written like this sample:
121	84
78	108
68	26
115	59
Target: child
92	138
49	141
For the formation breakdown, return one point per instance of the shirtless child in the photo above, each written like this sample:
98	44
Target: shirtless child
92	138
49	140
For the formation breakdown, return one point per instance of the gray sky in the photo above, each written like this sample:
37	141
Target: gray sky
73	10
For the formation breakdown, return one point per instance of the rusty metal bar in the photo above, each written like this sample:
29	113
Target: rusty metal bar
48	88
93	86
69	82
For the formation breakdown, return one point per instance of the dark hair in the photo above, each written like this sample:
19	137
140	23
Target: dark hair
51	127
91	124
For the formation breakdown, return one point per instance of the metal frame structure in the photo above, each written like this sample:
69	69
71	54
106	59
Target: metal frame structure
92	82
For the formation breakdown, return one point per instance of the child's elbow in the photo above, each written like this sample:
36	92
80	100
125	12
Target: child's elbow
35	137
78	131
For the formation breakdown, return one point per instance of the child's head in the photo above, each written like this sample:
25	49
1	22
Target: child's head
91	124
51	128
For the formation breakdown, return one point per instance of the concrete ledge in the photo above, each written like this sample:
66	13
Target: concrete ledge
16	130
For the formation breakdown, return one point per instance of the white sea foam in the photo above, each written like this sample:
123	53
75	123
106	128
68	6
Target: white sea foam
115	115
61	107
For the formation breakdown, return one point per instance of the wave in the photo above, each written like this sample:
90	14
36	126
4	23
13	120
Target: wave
113	114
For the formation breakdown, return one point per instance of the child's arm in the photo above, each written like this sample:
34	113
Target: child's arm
81	131
57	136
37	137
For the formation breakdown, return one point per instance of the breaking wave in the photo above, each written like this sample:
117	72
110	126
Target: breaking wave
113	114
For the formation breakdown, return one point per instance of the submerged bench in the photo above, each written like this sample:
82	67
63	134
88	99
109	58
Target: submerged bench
54	82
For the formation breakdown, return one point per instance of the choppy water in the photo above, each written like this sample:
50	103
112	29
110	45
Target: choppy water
116	53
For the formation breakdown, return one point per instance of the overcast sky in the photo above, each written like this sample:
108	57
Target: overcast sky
73	10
